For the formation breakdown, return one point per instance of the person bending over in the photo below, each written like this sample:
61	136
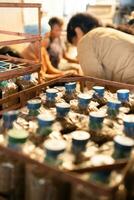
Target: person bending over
102	52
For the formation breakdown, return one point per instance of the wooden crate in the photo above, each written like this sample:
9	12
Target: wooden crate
90	81
30	66
24	66
73	176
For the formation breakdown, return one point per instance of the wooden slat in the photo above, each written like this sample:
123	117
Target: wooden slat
19	72
19	41
118	165
99	81
19	34
70	177
20	5
65	78
37	88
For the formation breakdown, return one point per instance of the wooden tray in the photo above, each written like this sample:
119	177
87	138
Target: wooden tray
72	177
30	66
27	94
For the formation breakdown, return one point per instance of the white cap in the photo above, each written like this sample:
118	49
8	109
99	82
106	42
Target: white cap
80	135
55	145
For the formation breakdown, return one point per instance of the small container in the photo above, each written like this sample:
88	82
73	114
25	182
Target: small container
24	82
27	77
51	95
16	138
9	118
11	177
122	147
96	120
65	126
45	122
99	90
128	122
70	87
33	106
38	185
70	91
62	109
53	149
79	140
123	95
8	88
7	172
83	101
102	175
113	108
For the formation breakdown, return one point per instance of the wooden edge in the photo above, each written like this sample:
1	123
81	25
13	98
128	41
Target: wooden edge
117	165
28	35
32	89
19	72
20	41
99	81
54	172
64	78
20	5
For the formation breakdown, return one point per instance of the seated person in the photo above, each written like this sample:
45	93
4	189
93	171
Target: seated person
53	43
48	71
52	52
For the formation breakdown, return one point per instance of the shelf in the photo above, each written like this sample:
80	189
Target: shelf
27	66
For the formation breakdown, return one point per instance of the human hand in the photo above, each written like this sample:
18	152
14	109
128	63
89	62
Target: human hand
70	72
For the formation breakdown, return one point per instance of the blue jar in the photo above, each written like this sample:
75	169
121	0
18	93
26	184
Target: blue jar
123	95
122	147
53	149
83	100
27	77
62	109
79	140
101	175
44	123
70	91
51	95
70	87
9	118
17	138
113	108
99	90
96	120
33	106
128	122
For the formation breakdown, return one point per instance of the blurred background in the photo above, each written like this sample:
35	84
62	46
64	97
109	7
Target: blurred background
109	11
26	20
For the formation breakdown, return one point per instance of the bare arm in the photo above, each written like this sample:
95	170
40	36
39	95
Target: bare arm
71	60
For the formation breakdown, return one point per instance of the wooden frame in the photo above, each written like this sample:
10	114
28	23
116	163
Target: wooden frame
71	176
31	65
24	95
